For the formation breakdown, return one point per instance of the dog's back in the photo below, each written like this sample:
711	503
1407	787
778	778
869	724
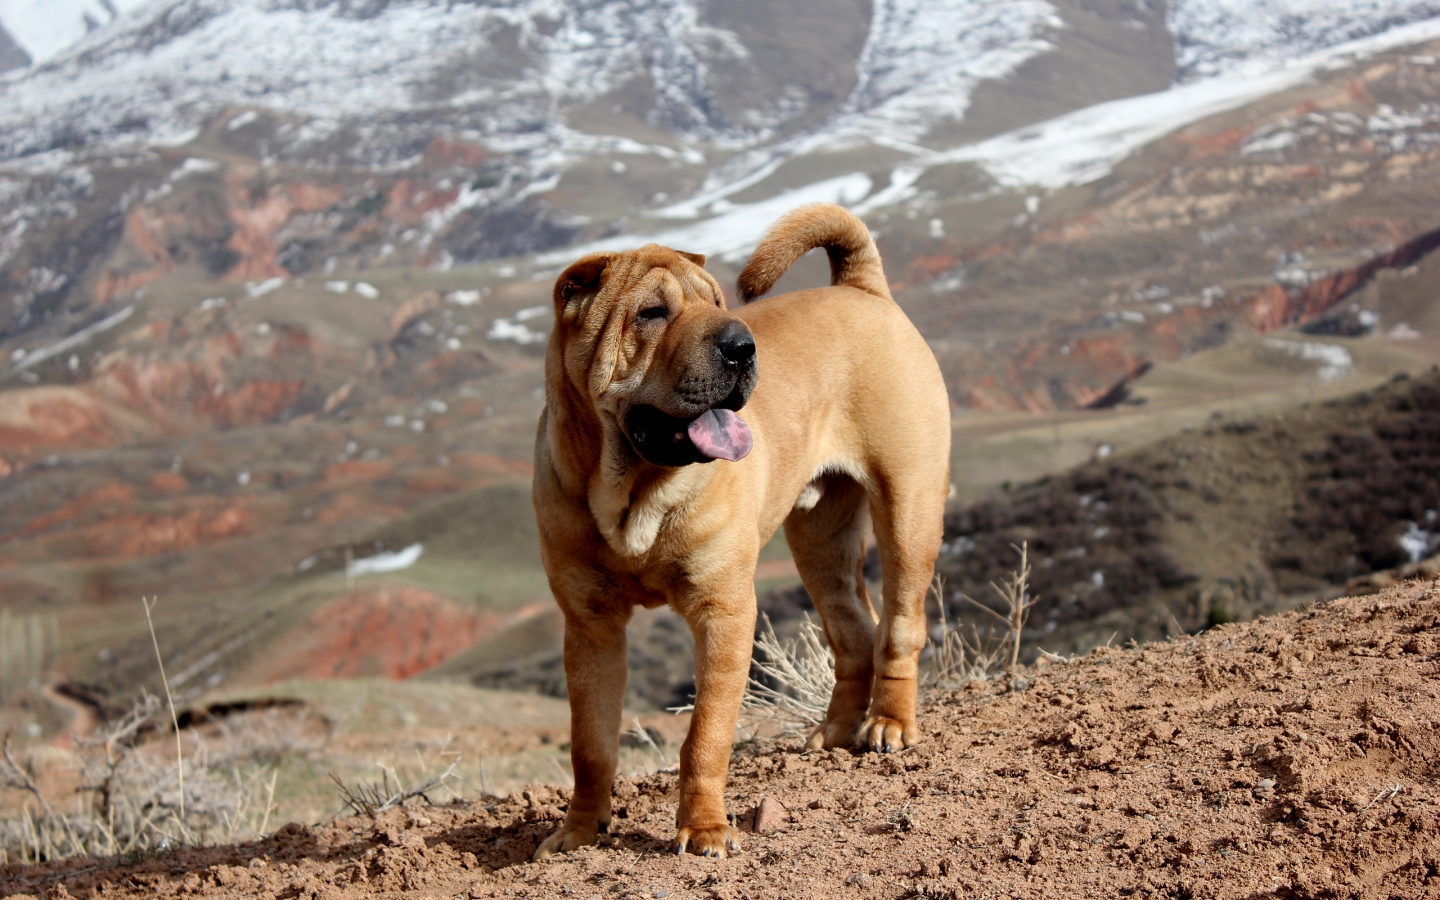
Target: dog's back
854	261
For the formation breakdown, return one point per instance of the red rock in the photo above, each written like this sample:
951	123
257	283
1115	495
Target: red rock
770	815
391	632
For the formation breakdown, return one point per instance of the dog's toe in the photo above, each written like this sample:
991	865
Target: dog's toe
883	735
715	842
568	837
832	734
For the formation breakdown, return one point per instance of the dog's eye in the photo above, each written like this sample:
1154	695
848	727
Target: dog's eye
651	313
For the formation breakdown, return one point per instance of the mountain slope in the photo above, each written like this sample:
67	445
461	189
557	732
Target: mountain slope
230	360
1288	757
43	29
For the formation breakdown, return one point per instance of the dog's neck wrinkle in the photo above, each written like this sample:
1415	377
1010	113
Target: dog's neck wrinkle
573	432
632	501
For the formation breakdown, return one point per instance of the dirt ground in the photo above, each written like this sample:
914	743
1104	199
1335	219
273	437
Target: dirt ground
1294	756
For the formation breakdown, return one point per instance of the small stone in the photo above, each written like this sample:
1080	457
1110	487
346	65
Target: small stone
858	879
770	815
818	803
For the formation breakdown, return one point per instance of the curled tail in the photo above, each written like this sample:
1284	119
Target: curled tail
854	261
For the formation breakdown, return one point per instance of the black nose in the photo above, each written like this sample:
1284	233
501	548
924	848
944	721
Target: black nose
736	345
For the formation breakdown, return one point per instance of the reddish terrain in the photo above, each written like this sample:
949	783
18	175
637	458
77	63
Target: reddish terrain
1294	756
388	632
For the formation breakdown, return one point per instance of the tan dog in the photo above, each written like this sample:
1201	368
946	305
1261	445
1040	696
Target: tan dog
845	409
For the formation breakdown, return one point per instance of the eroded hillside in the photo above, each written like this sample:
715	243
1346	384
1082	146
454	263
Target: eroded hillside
1293	757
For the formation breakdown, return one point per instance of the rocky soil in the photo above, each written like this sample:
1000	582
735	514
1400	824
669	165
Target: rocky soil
1128	545
1293	756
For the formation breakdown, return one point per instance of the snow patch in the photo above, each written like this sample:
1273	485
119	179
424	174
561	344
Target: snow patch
240	121
259	289
515	329
734	233
1277	141
1335	361
36	357
386	562
463	298
194	165
1416	542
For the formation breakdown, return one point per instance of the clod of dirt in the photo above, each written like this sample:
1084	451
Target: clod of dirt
770	815
1291	756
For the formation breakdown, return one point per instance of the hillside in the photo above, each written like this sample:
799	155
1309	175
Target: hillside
1293	756
1239	517
271	322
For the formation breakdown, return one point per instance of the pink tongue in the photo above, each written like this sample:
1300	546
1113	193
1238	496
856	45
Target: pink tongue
720	434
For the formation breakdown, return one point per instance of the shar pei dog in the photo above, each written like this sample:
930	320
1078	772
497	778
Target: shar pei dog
678	435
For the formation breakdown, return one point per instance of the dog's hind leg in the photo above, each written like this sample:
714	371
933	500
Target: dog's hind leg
827	541
908	516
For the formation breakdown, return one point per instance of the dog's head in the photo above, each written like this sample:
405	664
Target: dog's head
645	338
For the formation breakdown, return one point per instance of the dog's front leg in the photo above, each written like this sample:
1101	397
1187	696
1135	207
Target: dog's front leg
723	635
595	663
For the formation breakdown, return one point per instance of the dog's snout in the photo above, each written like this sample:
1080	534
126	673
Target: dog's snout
736	345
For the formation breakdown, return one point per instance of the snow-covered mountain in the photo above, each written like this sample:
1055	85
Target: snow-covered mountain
507	71
742	98
38	30
1214	37
511	72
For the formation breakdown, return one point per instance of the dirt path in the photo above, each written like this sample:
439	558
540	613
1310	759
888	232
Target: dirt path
83	720
1291	757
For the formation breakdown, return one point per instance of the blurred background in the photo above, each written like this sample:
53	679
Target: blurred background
274	295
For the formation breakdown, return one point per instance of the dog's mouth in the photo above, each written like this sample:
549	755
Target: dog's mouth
666	440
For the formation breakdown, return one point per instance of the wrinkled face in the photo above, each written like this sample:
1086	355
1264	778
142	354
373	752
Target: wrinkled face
646	337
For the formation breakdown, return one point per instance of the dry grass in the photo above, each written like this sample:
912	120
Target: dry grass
791	680
390	792
954	657
129	795
1014	592
131	798
645	739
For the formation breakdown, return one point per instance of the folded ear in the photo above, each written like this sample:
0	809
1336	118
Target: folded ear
697	258
583	279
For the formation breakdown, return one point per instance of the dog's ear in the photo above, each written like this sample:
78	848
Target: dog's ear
697	258
583	279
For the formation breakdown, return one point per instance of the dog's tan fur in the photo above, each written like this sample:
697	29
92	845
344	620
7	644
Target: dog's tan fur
849	417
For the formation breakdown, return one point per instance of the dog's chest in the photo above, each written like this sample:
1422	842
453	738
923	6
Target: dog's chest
630	518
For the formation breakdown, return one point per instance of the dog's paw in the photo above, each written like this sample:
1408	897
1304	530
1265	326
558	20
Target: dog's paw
569	837
831	734
885	735
717	841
